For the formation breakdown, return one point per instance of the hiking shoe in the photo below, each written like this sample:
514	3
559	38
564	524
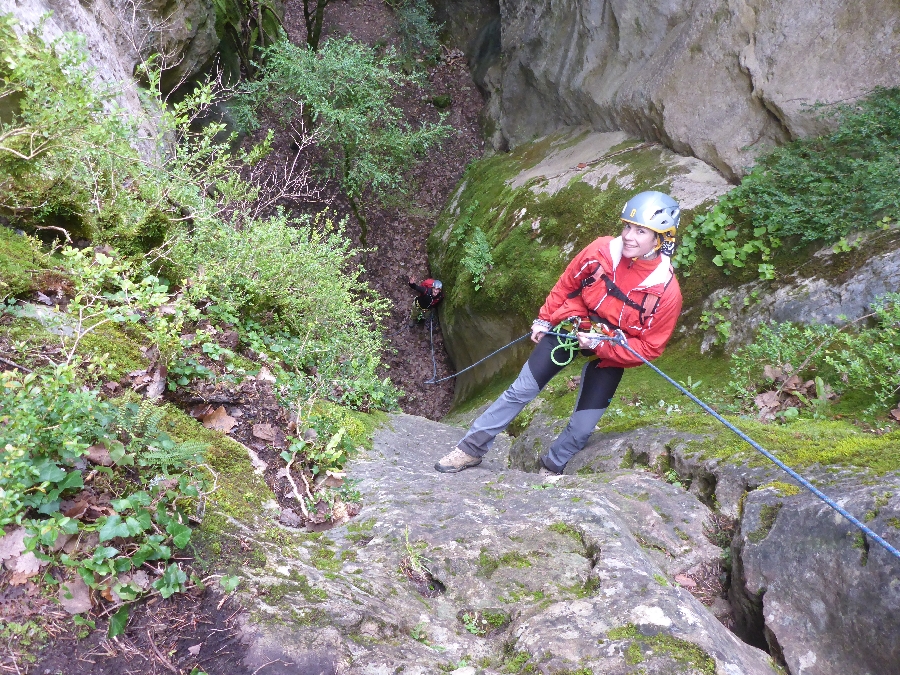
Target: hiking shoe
544	471
456	461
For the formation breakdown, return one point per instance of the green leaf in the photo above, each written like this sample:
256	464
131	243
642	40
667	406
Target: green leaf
118	621
717	261
113	527
181	534
229	584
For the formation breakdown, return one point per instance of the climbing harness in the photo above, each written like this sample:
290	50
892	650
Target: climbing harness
617	293
619	339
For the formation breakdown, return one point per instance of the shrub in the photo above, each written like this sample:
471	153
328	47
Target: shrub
848	357
346	90
418	31
181	197
818	189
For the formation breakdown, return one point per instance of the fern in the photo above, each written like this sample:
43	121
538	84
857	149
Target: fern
138	429
165	453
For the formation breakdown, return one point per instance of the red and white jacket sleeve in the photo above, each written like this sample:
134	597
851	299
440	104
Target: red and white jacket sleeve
566	284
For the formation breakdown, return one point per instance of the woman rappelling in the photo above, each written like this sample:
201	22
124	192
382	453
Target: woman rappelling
622	285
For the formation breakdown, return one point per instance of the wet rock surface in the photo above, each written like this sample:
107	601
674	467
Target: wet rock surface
521	570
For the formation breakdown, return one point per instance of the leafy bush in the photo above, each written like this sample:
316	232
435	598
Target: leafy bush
47	427
818	189
180	196
848	358
345	90
84	164
418	31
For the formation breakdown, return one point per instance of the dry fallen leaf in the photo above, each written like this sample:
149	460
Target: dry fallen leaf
75	596
685	581
140	579
219	420
290	518
334	479
270	433
22	565
265	375
200	410
768	399
98	454
157	382
895	413
264	431
193	651
12	544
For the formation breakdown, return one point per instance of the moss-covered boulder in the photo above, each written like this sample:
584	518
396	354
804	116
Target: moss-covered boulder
517	219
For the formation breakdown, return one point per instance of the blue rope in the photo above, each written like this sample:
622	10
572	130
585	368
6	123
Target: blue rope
756	446
618	340
450	377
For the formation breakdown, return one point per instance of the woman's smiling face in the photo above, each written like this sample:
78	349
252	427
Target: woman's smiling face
638	241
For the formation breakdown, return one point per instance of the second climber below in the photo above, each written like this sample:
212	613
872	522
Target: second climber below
428	295
623	283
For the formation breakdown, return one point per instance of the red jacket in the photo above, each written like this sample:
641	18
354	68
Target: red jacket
649	284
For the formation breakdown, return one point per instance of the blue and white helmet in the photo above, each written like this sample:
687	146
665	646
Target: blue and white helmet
656	211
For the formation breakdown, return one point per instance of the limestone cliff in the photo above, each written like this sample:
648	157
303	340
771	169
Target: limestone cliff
717	80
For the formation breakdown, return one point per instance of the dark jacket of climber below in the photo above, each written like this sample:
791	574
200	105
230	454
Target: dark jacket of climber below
428	294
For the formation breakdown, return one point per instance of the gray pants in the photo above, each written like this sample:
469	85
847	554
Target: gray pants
598	385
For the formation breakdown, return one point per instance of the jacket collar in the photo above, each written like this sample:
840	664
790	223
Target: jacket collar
659	276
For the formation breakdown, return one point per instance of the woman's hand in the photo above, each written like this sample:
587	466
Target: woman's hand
589	340
538	328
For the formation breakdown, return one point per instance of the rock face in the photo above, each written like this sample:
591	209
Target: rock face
829	599
558	574
805	584
832	285
717	80
117	31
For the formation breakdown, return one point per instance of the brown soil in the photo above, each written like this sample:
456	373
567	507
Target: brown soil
197	630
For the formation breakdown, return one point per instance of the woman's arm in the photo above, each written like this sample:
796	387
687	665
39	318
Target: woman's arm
582	266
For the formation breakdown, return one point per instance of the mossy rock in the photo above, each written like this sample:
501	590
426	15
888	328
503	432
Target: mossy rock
19	255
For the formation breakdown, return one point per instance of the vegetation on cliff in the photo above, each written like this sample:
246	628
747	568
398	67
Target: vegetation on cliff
136	267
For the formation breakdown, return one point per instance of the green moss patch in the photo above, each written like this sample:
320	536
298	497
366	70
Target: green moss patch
240	492
19	255
684	653
767	516
782	488
488	564
123	354
566	531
